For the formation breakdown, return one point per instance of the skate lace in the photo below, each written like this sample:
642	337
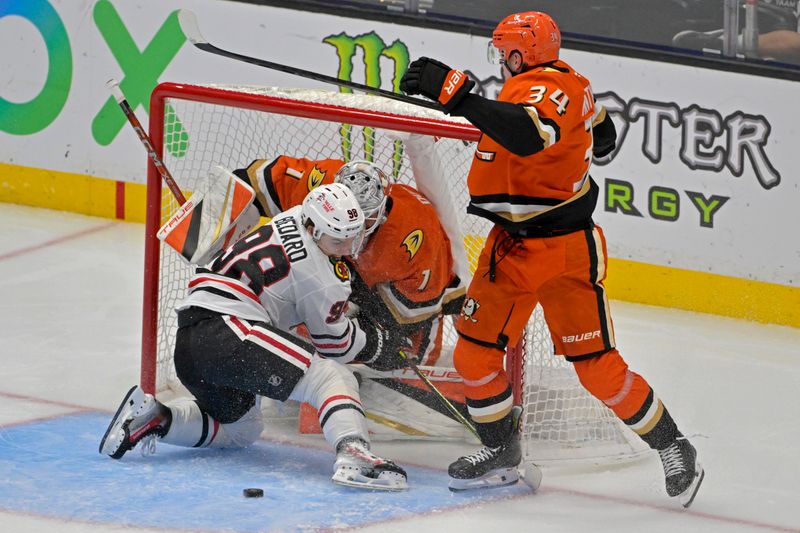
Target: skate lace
673	460
484	454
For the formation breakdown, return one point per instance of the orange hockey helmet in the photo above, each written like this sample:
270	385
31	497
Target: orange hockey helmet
526	39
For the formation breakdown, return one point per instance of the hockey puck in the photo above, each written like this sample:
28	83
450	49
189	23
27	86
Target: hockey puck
253	493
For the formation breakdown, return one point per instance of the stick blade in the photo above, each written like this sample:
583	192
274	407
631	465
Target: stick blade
191	29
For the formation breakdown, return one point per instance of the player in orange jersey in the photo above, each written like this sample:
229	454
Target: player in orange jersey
530	176
404	277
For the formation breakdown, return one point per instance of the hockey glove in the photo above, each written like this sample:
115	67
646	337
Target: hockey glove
437	81
382	351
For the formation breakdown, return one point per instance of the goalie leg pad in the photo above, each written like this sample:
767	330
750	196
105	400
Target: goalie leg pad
211	219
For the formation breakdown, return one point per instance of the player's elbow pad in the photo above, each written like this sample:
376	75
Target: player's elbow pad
602	151
605	137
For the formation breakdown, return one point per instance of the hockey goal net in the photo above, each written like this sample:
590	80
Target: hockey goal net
196	127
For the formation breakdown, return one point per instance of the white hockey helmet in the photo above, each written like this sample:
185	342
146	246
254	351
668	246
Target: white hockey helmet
370	185
334	211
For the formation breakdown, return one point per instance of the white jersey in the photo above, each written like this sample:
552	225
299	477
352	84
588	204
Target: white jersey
279	275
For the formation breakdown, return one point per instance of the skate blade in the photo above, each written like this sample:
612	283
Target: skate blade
387	481
108	447
501	477
687	497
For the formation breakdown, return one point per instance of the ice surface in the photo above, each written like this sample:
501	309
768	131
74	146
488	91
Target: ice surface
69	347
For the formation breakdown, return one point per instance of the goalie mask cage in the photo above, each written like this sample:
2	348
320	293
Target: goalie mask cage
196	127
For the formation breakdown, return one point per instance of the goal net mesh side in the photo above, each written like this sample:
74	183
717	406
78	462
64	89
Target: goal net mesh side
199	127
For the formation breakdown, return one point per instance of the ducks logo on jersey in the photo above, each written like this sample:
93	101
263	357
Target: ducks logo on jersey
413	242
469	309
315	178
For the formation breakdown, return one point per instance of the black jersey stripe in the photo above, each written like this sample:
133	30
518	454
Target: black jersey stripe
218	292
599	292
271	186
494	400
334	337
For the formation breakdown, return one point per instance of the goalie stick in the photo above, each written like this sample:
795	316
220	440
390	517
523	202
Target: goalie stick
188	22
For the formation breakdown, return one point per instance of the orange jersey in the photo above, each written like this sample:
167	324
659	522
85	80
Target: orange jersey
550	189
408	260
285	181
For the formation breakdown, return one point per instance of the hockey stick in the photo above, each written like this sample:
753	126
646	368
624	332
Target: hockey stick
450	407
531	473
213	219
188	22
113	86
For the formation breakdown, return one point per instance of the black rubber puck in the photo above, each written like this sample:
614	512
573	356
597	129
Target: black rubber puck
253	493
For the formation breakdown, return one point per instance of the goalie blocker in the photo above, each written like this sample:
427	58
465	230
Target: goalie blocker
211	220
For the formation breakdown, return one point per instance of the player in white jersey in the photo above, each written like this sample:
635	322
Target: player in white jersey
234	344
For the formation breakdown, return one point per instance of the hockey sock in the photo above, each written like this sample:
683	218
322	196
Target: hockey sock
654	424
190	426
333	390
494	434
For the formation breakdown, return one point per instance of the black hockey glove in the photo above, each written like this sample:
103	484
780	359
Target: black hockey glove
382	351
437	81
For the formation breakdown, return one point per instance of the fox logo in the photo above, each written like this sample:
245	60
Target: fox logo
315	178
413	242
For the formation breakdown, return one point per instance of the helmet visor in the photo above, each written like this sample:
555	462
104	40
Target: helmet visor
357	244
494	54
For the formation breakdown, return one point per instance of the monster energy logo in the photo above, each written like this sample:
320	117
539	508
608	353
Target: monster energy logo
373	49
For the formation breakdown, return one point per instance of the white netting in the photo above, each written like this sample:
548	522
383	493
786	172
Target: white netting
561	421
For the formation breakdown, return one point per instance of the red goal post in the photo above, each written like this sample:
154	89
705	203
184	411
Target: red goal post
195	127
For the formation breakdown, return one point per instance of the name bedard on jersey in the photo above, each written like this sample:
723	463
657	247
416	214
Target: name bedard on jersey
289	234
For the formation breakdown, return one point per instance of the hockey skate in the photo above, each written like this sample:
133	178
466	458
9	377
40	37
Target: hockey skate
489	467
356	466
682	470
139	417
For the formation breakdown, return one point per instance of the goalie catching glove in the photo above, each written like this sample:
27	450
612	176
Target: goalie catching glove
382	351
437	81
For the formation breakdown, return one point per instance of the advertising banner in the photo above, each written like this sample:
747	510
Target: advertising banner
703	177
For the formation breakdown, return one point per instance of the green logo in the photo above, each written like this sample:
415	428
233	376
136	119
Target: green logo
373	49
141	70
663	203
35	115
